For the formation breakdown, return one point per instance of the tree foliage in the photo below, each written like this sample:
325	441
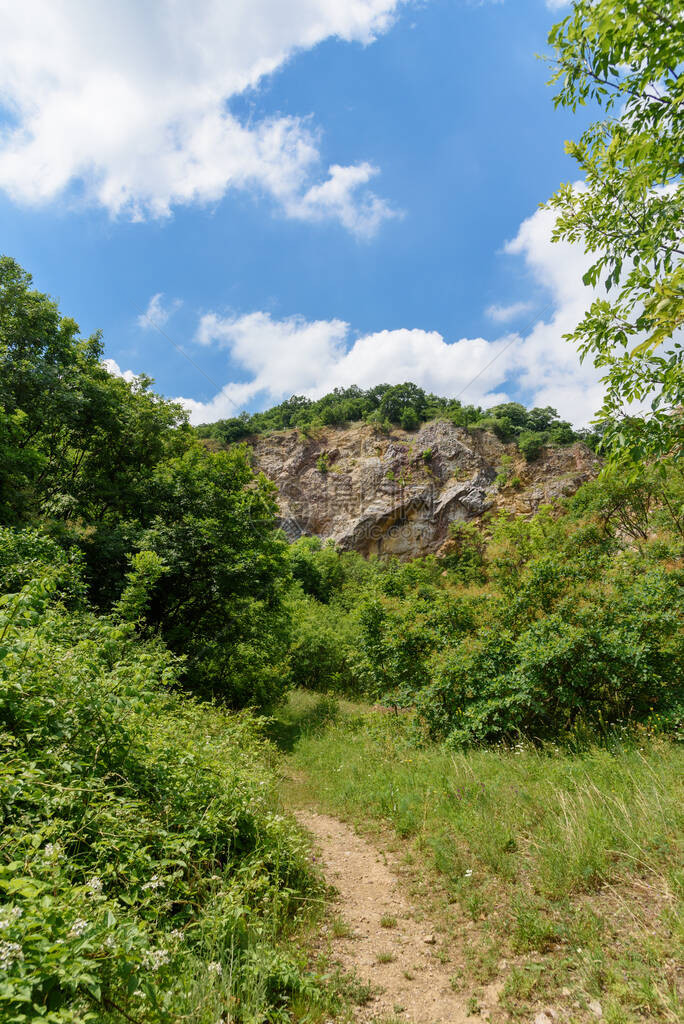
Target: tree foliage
627	55
404	405
113	471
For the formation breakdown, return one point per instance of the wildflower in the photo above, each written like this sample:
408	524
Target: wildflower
78	927
52	850
155	882
469	872
155	958
10	953
94	886
9	915
177	934
215	968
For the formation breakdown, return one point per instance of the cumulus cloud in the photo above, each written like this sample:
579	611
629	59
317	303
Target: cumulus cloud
546	366
111	366
129	102
295	356
503	314
157	313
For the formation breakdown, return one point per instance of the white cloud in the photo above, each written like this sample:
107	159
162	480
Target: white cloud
338	198
129	102
547	366
111	366
157	314
294	356
502	314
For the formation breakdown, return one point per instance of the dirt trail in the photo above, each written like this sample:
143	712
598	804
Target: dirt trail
415	985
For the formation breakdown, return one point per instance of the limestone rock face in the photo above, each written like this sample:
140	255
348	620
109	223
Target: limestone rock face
397	493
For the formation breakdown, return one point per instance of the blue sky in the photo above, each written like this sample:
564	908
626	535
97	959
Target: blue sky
299	193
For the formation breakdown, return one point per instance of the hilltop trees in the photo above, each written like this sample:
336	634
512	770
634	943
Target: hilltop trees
402	405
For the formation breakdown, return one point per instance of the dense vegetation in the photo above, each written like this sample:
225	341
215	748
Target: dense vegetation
111	470
534	627
405	405
146	871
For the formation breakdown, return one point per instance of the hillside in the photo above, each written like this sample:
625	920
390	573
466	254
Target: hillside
396	492
152	868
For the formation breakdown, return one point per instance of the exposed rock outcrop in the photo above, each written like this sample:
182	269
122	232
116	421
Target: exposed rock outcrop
397	493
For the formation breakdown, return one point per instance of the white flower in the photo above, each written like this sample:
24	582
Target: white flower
469	872
10	953
52	850
177	934
215	968
94	886
78	927
110	942
155	882
155	959
8	915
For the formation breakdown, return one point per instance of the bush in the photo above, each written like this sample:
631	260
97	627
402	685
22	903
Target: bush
597	657
531	444
465	553
145	871
410	419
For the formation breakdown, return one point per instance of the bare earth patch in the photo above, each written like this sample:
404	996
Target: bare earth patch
383	944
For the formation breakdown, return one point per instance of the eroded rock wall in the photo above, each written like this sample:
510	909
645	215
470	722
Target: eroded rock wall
397	493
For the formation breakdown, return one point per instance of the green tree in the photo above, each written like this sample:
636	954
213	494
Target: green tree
219	600
398	399
78	444
627	56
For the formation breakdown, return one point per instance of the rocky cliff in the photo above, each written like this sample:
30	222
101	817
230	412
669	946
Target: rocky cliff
397	493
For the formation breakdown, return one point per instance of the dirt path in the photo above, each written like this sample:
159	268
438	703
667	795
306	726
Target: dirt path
414	985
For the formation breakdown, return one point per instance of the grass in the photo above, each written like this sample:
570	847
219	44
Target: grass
567	864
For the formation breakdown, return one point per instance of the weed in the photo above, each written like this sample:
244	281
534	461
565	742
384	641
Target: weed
340	928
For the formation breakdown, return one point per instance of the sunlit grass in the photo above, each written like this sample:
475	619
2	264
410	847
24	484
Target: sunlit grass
569	857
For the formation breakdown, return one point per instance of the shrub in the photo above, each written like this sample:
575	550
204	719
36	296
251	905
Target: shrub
410	419
531	444
466	552
145	871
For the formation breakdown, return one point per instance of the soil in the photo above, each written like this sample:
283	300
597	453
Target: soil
415	985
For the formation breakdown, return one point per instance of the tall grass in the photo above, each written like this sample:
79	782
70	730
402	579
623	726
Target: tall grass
555	849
